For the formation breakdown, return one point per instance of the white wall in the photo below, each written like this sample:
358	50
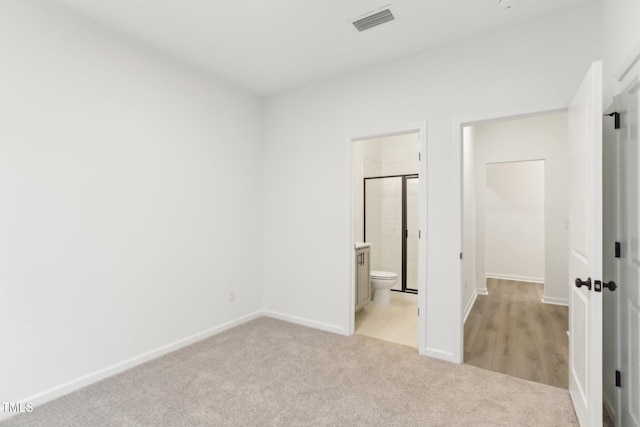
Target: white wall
534	67
375	218
620	37
545	138
366	162
130	201
399	154
514	220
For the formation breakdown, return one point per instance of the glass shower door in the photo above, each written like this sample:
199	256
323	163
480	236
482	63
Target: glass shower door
383	223
391	225
411	232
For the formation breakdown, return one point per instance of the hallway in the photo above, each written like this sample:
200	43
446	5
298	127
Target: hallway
511	331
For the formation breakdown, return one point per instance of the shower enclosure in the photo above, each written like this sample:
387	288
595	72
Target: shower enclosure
391	225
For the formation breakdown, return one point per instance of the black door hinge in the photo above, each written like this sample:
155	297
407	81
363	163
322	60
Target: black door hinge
616	119
460	255
419	159
617	250
618	379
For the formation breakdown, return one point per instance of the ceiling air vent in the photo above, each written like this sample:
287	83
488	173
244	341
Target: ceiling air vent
373	20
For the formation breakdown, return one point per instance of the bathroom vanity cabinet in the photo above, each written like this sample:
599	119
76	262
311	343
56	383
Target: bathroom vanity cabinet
363	289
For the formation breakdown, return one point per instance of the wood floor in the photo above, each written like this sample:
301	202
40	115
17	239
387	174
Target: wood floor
513	332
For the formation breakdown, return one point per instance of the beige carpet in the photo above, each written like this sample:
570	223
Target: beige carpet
268	372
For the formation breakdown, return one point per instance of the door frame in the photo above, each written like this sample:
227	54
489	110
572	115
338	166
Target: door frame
421	129
618	85
457	166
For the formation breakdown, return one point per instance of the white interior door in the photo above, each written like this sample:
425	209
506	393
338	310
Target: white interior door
585	249
628	268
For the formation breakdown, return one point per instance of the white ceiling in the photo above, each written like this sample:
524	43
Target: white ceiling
269	46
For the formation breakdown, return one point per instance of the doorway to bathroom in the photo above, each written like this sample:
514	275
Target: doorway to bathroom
386	189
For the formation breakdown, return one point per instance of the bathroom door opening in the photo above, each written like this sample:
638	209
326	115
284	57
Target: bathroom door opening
391	224
394	152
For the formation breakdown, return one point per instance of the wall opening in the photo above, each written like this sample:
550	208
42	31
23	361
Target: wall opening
515	234
386	184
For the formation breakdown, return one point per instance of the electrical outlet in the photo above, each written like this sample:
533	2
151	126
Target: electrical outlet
232	295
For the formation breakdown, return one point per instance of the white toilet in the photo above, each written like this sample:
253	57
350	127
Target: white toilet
381	283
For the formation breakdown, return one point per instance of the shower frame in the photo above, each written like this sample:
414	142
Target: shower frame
404	231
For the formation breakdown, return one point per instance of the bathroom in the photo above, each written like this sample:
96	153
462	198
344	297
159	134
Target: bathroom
386	194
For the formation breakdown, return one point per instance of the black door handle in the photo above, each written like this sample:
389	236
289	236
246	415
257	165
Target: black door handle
611	285
580	283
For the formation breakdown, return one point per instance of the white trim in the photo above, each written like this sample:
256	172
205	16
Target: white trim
456	235
482	291
327	327
609	408
628	63
469	306
442	355
421	128
423	253
350	294
555	301
501	117
85	380
515	278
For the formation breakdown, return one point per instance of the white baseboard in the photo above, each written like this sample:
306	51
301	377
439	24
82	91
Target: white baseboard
482	291
85	380
469	306
610	408
439	354
555	301
306	322
515	278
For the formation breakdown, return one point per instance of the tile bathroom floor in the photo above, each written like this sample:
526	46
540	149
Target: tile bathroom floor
397	323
